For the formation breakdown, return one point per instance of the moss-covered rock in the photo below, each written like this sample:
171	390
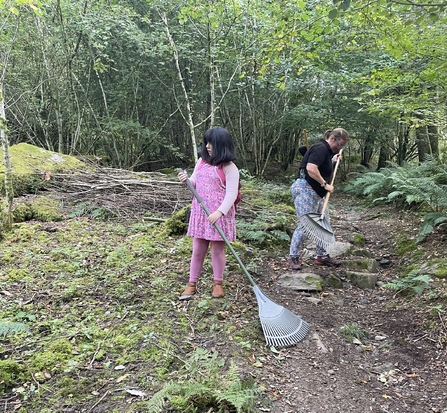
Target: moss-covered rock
22	212
436	267
358	240
177	224
333	281
30	159
46	210
32	166
42	209
405	245
364	281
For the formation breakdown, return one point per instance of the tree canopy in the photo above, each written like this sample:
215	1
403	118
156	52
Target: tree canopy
136	83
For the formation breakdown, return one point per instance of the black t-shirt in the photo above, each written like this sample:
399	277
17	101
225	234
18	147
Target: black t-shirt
321	155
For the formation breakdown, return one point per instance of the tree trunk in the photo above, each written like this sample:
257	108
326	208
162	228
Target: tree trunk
383	157
6	208
403	141
427	139
189	118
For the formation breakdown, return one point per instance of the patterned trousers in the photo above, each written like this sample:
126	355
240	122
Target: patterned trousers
306	200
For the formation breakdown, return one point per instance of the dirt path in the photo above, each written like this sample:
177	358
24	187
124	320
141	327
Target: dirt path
400	367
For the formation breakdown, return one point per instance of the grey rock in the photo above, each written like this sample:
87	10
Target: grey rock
363	264
364	281
301	281
313	300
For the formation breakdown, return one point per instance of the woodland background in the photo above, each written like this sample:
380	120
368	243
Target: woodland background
136	83
133	85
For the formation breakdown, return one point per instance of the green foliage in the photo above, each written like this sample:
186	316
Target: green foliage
410	284
353	331
201	384
258	232
13	328
423	187
432	220
92	210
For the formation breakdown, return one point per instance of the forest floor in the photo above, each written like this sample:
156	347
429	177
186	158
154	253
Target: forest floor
395	359
108	330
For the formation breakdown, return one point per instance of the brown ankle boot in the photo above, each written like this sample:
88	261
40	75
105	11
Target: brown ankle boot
218	291
189	291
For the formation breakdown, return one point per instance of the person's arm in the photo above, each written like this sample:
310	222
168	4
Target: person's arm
314	173
231	190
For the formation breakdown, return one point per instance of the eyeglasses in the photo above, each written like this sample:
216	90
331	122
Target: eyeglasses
340	145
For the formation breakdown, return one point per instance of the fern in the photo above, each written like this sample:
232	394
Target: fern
201	384
413	282
12	328
423	187
431	220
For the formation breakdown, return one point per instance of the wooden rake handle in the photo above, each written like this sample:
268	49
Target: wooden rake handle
326	198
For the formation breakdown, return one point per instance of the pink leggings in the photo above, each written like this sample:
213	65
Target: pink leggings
218	260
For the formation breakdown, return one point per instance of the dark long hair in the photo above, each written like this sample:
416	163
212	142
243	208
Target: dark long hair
223	146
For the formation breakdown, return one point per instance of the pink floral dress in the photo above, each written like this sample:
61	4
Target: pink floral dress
210	189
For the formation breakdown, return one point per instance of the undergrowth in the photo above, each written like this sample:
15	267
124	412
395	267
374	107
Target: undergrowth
201	384
413	283
422	187
94	304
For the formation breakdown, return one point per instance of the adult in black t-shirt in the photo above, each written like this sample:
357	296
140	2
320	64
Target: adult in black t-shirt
310	188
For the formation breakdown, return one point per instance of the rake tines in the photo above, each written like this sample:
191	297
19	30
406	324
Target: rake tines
317	229
281	327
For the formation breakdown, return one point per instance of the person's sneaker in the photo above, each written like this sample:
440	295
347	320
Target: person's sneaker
328	261
294	263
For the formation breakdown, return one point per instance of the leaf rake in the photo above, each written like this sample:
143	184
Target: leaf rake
281	327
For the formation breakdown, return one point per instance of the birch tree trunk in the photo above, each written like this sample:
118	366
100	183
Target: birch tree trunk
6	207
188	118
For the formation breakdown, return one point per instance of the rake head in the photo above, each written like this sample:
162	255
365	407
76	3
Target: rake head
281	327
317	228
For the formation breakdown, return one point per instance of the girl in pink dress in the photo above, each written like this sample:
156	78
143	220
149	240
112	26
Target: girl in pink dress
217	152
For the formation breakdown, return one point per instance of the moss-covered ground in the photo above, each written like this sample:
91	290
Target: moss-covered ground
105	328
90	320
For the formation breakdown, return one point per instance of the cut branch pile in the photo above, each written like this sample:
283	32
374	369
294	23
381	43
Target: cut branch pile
124	194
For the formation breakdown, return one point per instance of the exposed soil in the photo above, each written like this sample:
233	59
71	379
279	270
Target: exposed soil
402	367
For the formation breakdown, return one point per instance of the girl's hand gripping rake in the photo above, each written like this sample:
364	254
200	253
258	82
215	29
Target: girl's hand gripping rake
316	224
281	327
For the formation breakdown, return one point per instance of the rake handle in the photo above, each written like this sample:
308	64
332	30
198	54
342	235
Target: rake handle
219	230
326	198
